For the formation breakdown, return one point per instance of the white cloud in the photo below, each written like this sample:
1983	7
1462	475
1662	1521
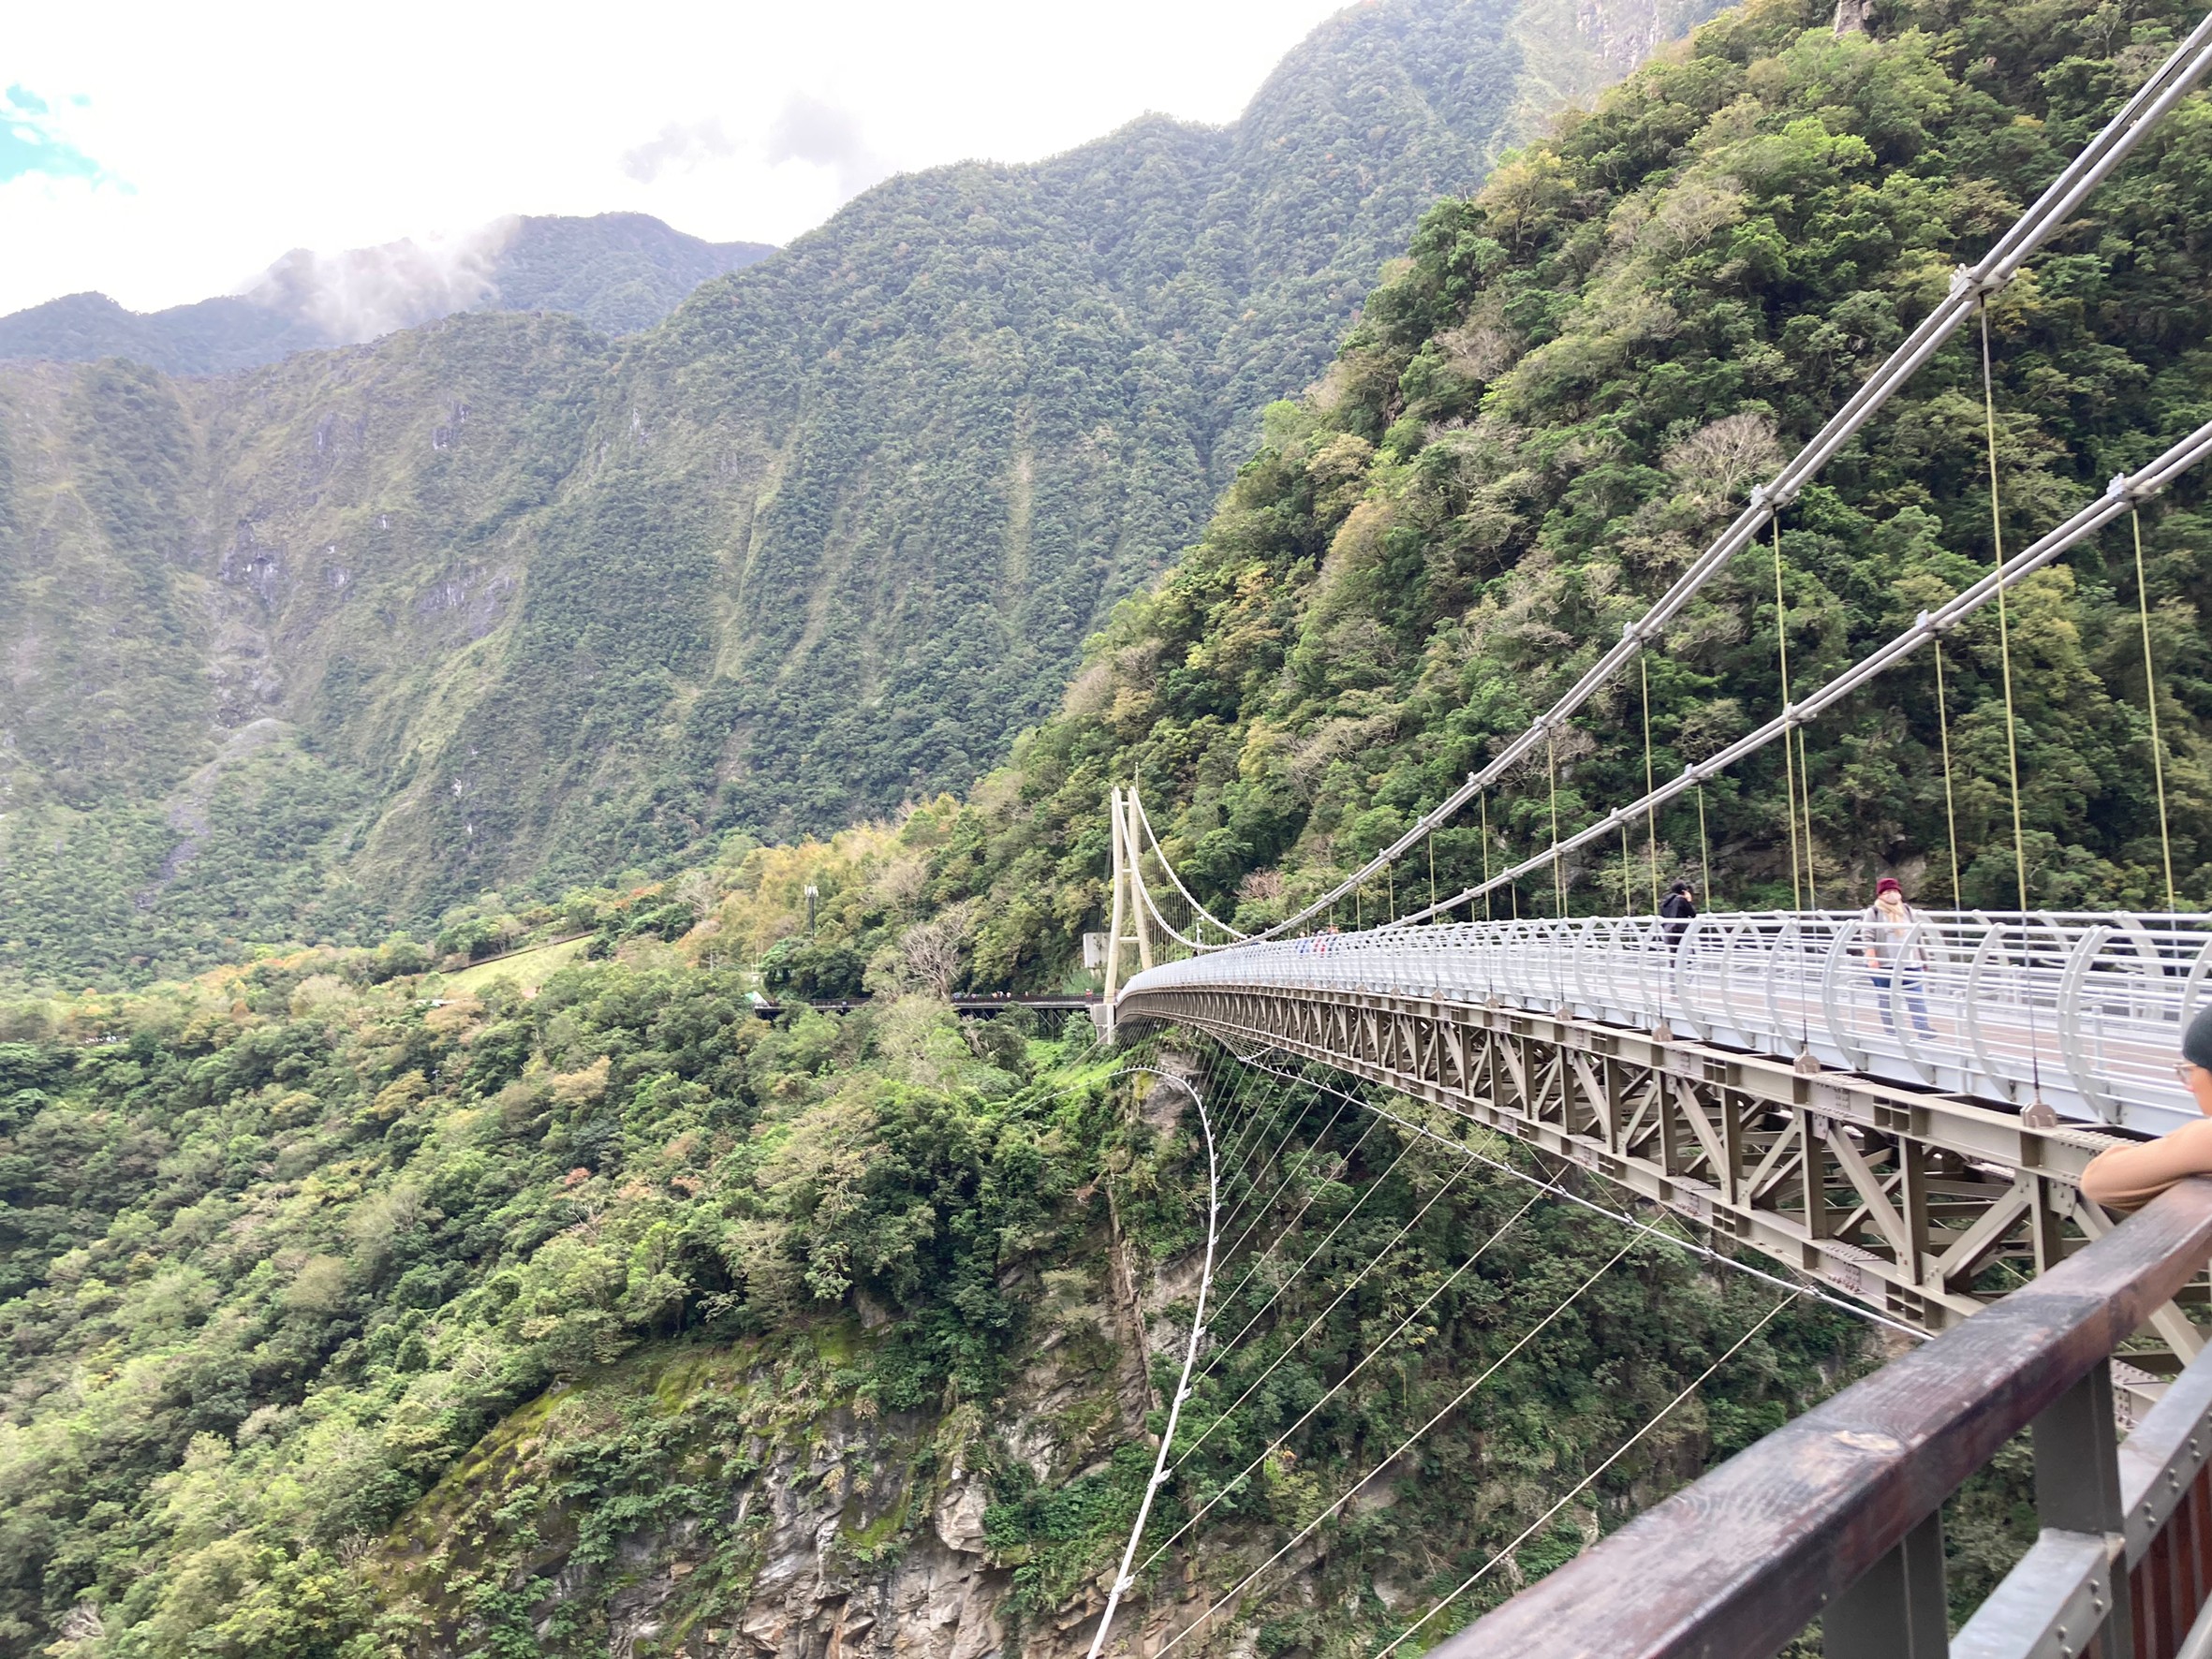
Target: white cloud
730	119
360	293
811	130
679	147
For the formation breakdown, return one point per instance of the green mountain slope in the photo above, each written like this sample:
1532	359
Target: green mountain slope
348	1320
618	272
1565	393
347	1313
530	609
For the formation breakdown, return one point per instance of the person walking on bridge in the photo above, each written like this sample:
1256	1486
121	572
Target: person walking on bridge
1893	952
1677	909
2129	1177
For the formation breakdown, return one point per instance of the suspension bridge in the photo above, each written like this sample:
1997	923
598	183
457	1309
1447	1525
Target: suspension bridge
1890	1112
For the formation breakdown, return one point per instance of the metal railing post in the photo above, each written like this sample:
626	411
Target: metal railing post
2077	1488
1898	1610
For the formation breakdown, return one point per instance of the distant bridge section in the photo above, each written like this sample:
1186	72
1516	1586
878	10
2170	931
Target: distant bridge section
968	1008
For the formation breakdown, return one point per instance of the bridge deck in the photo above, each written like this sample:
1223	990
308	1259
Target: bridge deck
2082	1013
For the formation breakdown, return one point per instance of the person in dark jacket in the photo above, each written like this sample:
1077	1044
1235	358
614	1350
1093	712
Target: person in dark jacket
1678	908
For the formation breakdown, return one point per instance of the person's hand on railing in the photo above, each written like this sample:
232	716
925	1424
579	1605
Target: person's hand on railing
2129	1177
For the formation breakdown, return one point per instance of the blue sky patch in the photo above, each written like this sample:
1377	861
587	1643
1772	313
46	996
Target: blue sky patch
28	145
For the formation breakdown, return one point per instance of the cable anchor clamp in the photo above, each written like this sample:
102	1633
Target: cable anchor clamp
1964	280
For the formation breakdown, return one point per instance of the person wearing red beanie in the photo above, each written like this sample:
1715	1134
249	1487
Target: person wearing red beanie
1889	943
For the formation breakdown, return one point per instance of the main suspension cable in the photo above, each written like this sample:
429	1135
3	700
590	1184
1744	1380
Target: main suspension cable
1153	835
2053	208
2120	497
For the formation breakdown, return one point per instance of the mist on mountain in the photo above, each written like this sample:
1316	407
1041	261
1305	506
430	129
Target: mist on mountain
619	272
528	605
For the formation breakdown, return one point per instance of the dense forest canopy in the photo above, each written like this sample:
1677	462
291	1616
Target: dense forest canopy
1570	384
347	1313
364	1302
499	604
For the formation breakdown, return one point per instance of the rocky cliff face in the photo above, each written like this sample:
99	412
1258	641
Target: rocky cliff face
778	1516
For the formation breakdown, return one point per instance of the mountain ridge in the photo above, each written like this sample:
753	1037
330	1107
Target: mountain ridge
620	271
542	605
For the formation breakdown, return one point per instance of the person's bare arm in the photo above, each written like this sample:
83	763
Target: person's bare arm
2129	1177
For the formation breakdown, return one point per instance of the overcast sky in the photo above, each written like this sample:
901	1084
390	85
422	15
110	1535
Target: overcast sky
164	152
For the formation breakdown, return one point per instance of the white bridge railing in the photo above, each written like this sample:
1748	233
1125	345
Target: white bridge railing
2082	1012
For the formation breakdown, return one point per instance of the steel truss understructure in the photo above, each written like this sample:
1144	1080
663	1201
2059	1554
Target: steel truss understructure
1914	1203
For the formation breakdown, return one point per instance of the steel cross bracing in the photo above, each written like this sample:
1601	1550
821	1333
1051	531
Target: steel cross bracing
1911	1201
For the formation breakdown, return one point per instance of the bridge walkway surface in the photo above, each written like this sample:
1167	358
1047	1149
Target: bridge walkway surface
1741	1072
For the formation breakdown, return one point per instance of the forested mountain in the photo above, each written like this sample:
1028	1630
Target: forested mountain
618	272
346	1315
353	1311
1568	388
495	602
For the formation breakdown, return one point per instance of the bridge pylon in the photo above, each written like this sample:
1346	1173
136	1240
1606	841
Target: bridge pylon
1127	923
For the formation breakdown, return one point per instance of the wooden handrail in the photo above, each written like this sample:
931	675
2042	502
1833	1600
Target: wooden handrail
1735	1564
